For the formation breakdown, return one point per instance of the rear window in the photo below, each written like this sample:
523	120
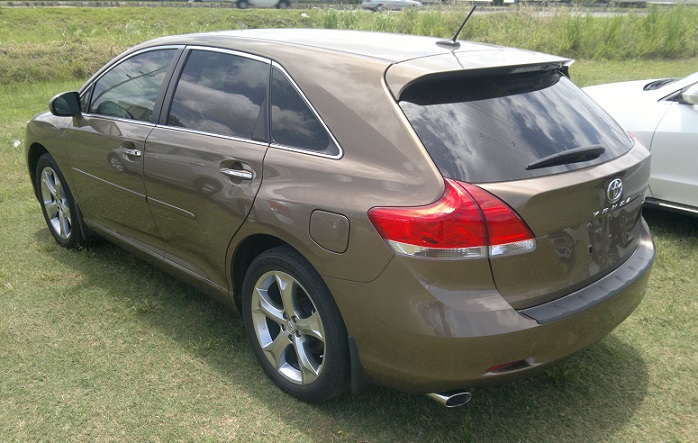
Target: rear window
485	130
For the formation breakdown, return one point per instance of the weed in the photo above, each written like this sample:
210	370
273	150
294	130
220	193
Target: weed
146	306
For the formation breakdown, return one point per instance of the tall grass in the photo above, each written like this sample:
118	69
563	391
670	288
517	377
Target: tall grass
660	33
39	45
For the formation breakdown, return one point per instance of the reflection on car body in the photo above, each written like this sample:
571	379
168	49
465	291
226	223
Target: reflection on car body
379	208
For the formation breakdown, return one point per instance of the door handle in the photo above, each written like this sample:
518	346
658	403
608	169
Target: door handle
238	173
133	152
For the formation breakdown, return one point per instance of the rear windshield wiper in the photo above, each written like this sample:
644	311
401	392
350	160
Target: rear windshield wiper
576	155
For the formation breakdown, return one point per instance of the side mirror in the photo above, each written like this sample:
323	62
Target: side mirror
690	95
66	104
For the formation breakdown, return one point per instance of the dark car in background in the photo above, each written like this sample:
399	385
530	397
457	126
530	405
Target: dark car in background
380	208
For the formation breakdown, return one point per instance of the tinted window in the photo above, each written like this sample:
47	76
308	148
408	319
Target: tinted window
491	129
129	90
293	123
222	94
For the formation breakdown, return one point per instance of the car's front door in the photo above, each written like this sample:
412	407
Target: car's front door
107	143
203	163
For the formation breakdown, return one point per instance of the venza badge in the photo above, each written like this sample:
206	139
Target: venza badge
614	192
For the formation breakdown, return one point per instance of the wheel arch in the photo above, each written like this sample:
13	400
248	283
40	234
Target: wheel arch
34	152
245	253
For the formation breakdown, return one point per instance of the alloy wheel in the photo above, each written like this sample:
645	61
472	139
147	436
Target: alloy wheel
56	204
288	327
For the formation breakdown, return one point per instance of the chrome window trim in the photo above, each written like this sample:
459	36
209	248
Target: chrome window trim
306	151
212	134
119	119
228	51
337	156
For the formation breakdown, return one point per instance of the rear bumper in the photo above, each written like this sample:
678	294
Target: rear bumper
609	286
416	337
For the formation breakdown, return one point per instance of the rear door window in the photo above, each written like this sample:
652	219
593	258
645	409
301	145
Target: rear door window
222	93
490	129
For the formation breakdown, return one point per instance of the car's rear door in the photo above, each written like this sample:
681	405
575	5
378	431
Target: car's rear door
203	162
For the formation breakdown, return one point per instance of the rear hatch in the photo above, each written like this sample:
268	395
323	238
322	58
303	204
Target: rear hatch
529	136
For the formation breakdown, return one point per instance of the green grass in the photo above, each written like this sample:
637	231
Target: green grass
96	345
594	72
71	43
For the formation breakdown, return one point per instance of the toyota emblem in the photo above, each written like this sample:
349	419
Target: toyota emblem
615	190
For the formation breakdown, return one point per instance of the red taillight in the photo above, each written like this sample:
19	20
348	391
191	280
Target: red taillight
503	224
453	221
467	222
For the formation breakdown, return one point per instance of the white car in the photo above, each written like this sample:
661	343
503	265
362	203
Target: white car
244	4
390	5
664	115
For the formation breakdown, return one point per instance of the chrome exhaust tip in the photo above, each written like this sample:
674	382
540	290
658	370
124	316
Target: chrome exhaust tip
451	399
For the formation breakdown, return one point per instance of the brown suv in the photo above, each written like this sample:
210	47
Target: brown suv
380	208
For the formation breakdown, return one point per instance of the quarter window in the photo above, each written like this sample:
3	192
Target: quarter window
222	93
129	90
293	123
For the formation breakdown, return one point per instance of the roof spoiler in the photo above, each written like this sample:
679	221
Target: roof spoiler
456	64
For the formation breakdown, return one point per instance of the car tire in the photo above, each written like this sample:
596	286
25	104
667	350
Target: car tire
57	204
294	326
243	4
283	4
